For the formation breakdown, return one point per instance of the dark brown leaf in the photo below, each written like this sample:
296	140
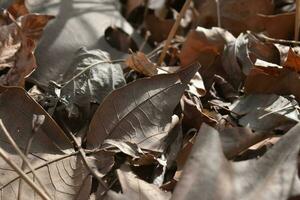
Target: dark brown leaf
119	39
140	113
134	188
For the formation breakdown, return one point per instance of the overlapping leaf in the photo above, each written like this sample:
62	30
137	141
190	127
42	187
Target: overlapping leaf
61	170
140	112
273	176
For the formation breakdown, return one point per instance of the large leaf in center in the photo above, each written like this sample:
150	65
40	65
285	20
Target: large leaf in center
138	113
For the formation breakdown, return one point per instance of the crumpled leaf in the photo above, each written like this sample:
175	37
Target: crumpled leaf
140	113
273	176
134	188
292	61
51	154
140	63
19	32
92	85
266	112
204	41
249	48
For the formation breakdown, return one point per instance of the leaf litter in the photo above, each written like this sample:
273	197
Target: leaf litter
211	113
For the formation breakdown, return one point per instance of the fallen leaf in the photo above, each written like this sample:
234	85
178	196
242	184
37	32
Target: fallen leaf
18	37
272	81
292	61
286	22
140	63
51	154
266	112
134	188
207	171
204	41
119	39
74	27
93	85
140	113
236	15
159	28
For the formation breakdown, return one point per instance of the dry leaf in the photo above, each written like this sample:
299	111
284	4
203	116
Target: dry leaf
209	175
266	112
140	63
119	39
292	61
140	113
134	188
159	28
236	15
204	41
271	80
62	172
19	39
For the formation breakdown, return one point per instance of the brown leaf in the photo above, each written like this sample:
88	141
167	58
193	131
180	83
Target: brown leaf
119	39
134	188
292	61
19	43
33	25
208	171
203	41
140	113
237	139
271	80
159	28
140	63
51	154
236	15
18	9
286	22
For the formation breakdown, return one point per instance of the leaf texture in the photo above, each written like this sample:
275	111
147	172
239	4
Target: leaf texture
138	113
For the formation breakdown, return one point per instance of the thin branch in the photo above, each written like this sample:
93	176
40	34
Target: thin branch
21	154
278	41
218	13
89	152
23	175
84	158
297	20
173	31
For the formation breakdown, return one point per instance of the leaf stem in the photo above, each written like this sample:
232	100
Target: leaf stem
297	20
173	31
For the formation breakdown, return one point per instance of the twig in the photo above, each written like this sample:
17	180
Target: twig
218	13
231	111
147	35
25	160
297	20
278	41
88	152
173	31
84	158
23	175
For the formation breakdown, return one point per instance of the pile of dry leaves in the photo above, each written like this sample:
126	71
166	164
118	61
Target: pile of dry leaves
210	112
